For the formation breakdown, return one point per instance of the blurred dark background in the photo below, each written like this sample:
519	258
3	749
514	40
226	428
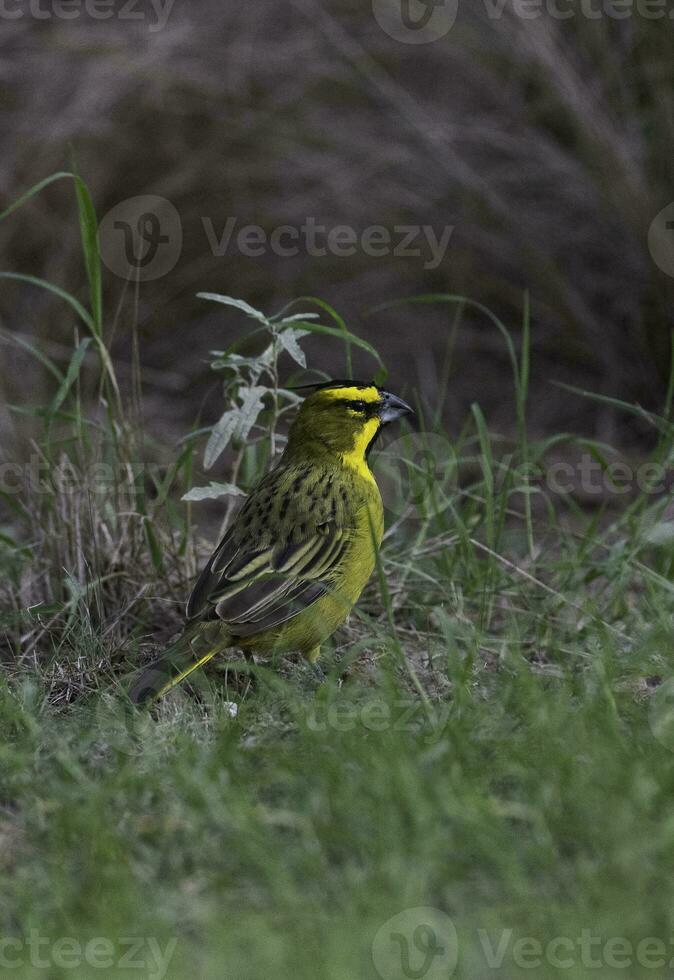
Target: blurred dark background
545	144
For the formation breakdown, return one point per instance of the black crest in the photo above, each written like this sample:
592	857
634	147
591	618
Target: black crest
335	383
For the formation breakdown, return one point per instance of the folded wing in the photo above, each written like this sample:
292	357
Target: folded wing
278	557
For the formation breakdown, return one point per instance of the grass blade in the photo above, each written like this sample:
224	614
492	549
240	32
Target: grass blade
52	288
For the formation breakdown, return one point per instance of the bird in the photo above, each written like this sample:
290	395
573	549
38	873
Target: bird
300	550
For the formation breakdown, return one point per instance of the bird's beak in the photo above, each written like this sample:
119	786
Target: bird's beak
393	408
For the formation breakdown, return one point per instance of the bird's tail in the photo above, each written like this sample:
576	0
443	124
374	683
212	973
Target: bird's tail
176	663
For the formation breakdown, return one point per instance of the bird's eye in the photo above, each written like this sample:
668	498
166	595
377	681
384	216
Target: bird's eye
356	406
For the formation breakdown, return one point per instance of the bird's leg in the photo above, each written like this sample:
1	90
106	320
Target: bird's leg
312	658
236	677
251	679
313	655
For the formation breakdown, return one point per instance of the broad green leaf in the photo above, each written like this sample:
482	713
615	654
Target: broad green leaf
250	409
223	430
237	422
238	304
288	339
213	491
344	335
234	361
288	320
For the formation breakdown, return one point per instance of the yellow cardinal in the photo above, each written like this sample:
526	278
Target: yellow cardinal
300	550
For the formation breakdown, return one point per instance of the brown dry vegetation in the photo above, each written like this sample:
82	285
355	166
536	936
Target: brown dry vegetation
543	142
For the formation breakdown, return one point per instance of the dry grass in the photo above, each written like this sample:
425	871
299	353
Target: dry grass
542	142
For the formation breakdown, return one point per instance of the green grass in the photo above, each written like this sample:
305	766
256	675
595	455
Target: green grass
489	738
277	843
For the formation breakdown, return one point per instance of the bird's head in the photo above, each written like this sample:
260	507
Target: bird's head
343	418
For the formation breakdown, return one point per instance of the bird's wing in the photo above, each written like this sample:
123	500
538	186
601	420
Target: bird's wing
279	555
